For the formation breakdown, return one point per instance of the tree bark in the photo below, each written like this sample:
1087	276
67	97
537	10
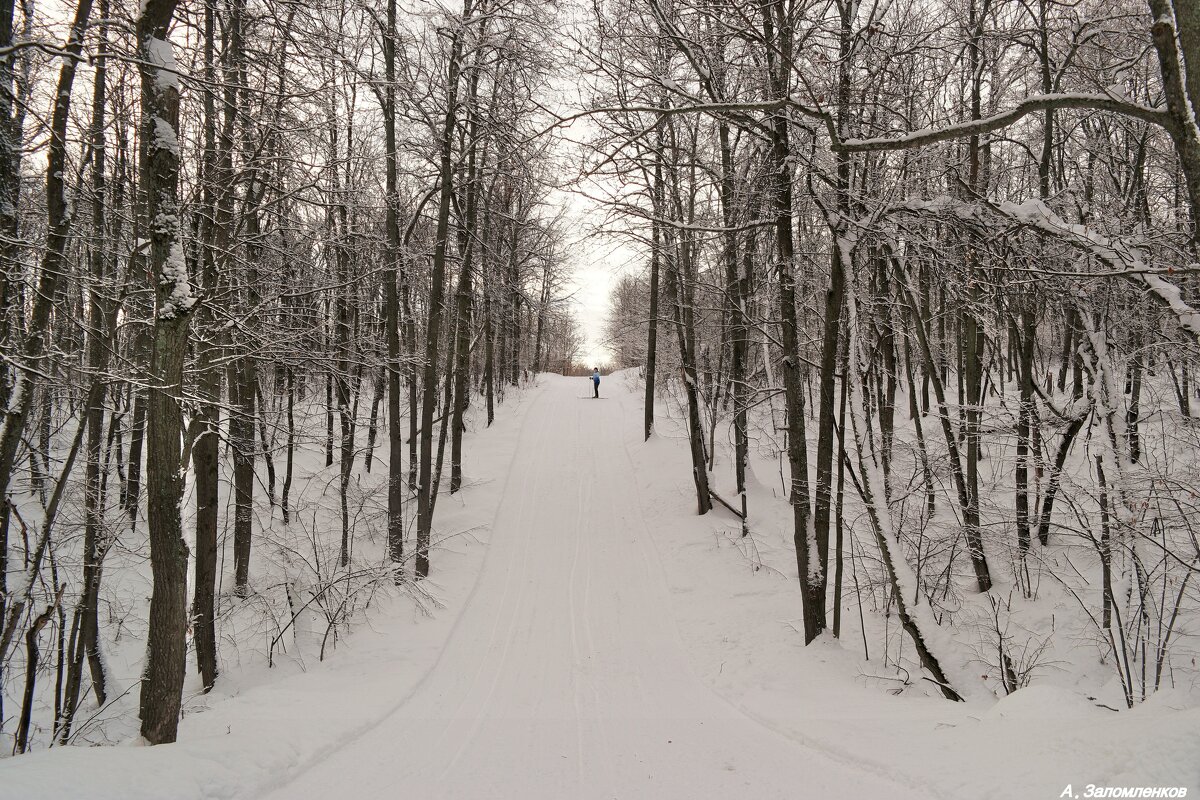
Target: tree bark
809	565
391	301
166	652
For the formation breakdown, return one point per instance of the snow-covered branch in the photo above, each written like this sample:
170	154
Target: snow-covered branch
1036	215
1031	105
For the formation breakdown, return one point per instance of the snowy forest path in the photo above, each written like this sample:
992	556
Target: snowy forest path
565	676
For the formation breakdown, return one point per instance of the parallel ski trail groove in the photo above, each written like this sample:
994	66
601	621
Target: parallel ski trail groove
565	675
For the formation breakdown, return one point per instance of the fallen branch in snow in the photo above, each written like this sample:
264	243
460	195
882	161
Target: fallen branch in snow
732	510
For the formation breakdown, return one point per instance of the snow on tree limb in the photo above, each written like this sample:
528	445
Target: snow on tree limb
1038	216
1031	105
937	651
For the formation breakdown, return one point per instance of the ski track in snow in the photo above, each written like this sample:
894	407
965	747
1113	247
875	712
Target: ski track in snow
607	643
565	675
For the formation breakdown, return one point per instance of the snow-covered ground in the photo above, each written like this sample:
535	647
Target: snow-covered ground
736	606
595	639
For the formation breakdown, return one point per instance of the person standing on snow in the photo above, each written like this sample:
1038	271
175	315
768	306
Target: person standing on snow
596	382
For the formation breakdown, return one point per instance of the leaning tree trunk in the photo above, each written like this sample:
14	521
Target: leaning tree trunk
54	259
680	280
19	387
102	313
682	313
905	591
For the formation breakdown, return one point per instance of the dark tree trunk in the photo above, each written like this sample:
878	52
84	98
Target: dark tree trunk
166	651
655	268
102	314
809	566
462	298
391	301
241	441
681	310
489	337
737	297
1026	419
437	291
814	599
284	500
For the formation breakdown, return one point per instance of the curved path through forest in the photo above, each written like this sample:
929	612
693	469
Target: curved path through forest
565	676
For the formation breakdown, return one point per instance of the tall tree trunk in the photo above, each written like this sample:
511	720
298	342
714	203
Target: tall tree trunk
1176	24
243	374
543	304
437	291
514	288
462	299
681	281
809	565
655	261
1025	326
102	317
839	505
137	425
241	441
166	652
289	458
19	387
10	191
410	338
1026	419
814	599
736	298
53	263
681	308
973	336
1133	412
206	446
489	332
391	300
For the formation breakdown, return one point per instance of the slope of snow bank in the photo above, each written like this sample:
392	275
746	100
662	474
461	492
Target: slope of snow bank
737	605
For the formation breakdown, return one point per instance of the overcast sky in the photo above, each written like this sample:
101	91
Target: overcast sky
596	255
596	261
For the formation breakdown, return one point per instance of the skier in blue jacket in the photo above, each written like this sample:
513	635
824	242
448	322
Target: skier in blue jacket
596	382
